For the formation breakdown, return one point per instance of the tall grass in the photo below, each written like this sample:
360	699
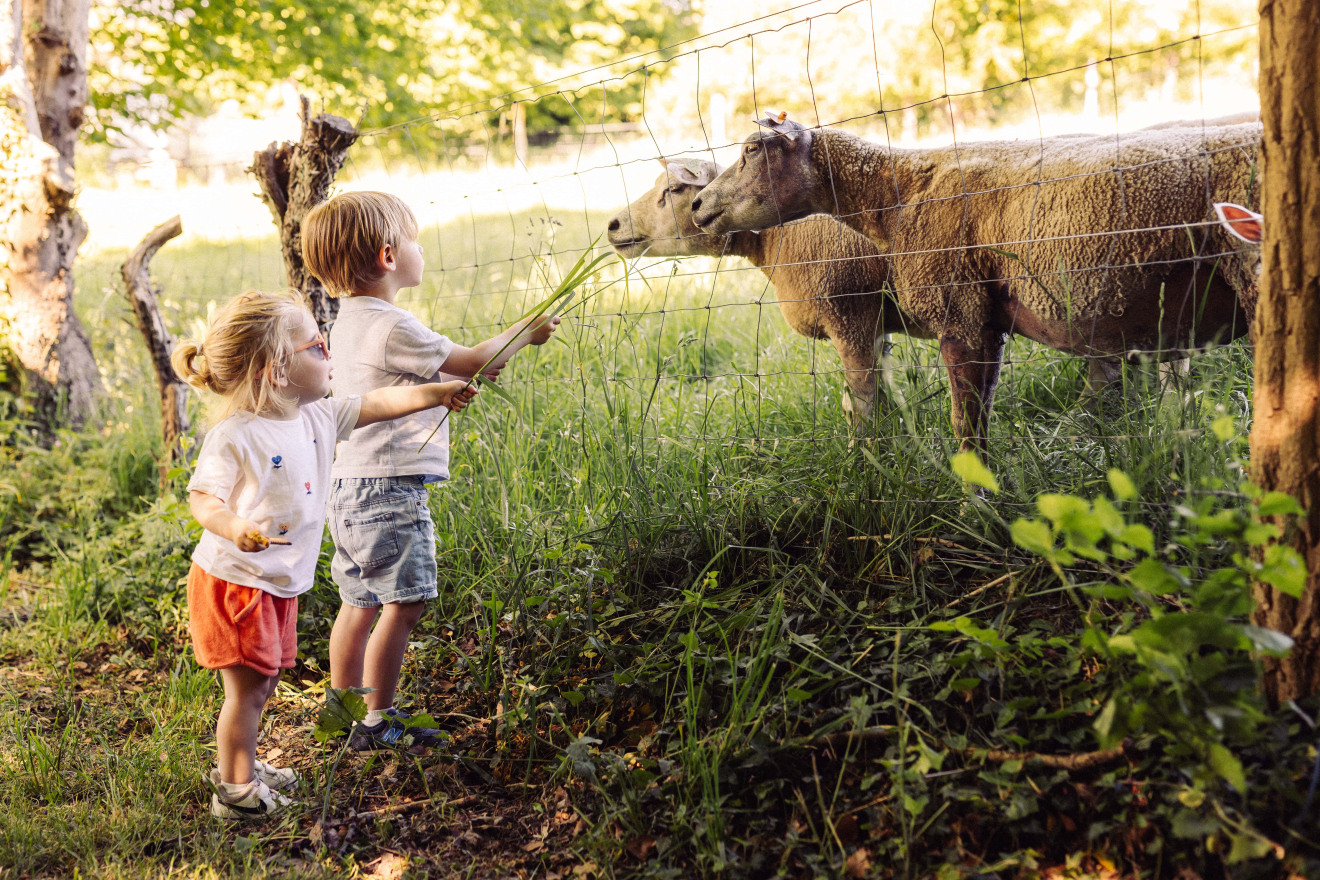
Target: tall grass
678	562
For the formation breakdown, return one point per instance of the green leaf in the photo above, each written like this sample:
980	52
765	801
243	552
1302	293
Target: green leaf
797	695
1226	764
1225	428
1109	517
1121	484
573	698
489	385
969	467
1154	577
1279	504
1284	569
1138	537
342	709
1033	536
1059	508
1268	640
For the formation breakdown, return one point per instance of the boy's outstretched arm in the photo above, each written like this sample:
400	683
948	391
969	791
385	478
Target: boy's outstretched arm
464	361
216	517
384	404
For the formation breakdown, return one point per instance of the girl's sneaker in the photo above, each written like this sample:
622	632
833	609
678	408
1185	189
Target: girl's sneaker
276	778
251	800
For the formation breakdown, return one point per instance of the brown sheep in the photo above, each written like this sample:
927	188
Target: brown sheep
1095	246
831	283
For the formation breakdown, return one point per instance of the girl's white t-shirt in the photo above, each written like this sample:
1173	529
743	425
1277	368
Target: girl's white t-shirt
277	474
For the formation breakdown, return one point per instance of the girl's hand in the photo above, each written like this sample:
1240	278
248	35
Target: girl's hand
541	335
247	536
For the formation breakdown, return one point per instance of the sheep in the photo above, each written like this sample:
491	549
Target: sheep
831	283
1095	246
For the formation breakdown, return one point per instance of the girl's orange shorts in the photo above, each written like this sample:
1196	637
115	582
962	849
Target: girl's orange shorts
233	625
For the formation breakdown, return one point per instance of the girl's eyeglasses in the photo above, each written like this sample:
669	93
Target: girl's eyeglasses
318	342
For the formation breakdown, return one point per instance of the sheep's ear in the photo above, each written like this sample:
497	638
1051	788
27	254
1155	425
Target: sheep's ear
664	163
693	172
780	124
1241	222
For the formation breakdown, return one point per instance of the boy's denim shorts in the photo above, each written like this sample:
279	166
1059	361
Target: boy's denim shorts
384	541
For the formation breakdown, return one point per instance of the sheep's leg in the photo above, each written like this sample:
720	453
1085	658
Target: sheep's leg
862	375
968	367
1101	372
994	362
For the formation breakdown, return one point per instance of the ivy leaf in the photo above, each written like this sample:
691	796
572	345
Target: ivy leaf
1226	764
1267	640
343	708
969	467
1284	570
1121	484
1279	504
1033	536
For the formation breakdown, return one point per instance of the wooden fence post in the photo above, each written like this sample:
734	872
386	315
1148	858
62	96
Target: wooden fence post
160	342
294	178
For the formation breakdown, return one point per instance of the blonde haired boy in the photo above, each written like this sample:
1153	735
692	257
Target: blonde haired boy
363	247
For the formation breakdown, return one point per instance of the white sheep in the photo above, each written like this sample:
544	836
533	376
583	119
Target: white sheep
830	282
1097	246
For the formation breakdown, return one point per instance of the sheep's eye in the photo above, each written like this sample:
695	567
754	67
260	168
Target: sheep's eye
675	189
752	148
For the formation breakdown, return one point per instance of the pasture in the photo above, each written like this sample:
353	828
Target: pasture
690	623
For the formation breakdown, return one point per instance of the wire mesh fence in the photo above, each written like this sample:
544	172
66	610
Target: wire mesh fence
811	334
700	340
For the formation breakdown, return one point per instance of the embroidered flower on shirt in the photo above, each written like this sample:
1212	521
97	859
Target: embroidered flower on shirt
309	488
278	461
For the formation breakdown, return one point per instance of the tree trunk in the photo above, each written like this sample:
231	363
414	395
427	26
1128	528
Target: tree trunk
43	91
160	343
1285	437
294	178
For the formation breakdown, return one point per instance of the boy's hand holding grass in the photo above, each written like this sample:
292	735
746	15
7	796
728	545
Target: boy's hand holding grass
541	334
455	395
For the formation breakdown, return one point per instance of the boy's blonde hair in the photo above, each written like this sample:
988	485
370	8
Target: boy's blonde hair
342	238
249	339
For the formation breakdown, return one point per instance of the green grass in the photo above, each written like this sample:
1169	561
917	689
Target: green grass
703	604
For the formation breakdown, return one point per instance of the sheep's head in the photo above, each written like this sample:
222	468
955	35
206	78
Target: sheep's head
659	224
772	182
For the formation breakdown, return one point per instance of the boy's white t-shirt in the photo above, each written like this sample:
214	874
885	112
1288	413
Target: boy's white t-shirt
377	345
277	474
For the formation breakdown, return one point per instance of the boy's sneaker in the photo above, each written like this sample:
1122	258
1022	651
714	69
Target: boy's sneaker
390	731
250	801
276	778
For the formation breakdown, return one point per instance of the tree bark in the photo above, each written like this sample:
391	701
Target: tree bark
294	178
1285	437
160	342
43	92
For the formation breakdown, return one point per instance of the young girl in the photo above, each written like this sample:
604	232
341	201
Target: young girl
259	491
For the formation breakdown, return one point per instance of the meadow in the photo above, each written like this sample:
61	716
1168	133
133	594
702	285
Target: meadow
691	622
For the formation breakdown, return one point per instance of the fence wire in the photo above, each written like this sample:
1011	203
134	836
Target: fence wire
703	346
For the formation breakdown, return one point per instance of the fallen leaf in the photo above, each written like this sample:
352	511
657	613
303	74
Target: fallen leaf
858	863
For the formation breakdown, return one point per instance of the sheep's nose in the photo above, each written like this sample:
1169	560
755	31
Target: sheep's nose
614	225
696	204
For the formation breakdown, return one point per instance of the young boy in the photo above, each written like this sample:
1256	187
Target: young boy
363	246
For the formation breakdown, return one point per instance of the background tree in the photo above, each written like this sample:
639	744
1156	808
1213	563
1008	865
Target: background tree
154	61
1285	436
381	63
43	90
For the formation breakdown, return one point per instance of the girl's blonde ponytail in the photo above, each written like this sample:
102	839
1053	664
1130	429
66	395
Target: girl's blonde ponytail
249	337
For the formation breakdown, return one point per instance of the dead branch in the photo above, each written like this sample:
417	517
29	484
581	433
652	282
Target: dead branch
411	806
1079	761
294	178
142	295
